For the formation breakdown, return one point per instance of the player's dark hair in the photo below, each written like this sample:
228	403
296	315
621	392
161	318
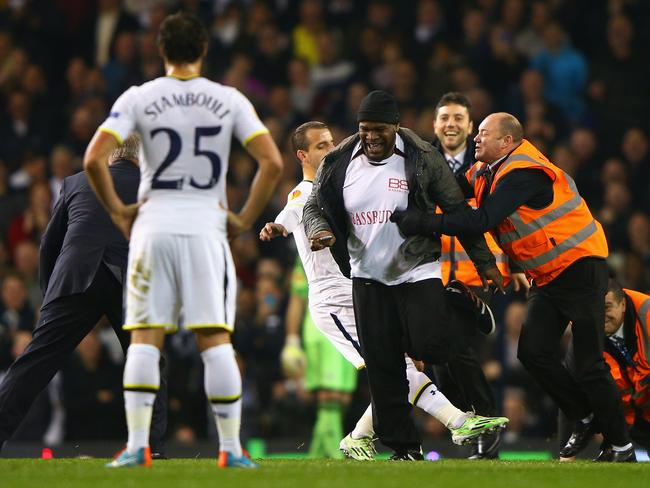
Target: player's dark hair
453	98
615	287
182	38
299	136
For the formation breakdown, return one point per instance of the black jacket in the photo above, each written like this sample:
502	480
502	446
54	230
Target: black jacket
431	184
80	235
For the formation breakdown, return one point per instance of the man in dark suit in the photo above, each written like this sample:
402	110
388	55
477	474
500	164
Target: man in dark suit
82	269
462	379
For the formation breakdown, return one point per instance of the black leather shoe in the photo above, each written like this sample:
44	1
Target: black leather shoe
487	446
158	456
407	456
608	455
578	440
463	296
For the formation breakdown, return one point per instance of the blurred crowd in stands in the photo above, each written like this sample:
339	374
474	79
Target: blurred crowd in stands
574	72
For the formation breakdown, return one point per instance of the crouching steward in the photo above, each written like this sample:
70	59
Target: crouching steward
627	352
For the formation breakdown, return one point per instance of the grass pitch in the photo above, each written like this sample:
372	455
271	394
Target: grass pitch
189	473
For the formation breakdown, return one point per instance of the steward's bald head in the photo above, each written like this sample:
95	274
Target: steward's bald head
509	126
498	134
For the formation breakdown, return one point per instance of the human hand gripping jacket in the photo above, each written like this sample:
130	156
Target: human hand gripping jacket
414	222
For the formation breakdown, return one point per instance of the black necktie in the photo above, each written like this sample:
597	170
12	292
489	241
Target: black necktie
489	178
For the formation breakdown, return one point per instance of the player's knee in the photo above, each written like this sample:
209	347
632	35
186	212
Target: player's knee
209	337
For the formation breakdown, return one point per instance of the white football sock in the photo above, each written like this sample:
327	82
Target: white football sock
424	394
141	383
364	425
223	388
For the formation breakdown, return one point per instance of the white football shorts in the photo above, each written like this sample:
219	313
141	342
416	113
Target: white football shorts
169	273
337	323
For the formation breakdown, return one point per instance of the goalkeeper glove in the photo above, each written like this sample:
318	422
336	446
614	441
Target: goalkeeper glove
293	358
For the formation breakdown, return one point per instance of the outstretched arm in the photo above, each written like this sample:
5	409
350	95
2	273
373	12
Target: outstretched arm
316	227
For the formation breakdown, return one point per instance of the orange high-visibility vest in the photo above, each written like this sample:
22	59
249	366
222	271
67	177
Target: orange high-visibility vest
633	382
456	263
543	242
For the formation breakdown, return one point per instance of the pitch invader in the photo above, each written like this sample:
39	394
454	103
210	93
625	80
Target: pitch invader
179	254
331	307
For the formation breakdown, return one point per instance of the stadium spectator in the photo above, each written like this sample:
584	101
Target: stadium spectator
616	83
109	21
33	169
32	222
11	202
305	34
26	262
62	165
635	150
565	72
16	320
123	70
20	131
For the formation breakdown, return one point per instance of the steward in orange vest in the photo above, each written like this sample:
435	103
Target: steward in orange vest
543	242
536	215
627	352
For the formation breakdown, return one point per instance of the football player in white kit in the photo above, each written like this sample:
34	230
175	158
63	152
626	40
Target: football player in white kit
331	308
179	255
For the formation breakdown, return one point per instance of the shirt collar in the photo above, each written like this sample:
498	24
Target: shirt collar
493	167
460	157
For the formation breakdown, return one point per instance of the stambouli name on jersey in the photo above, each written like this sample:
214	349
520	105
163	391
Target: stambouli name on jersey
188	99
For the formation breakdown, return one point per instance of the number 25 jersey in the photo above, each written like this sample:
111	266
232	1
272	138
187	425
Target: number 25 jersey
185	128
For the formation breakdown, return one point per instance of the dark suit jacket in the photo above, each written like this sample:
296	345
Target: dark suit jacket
80	235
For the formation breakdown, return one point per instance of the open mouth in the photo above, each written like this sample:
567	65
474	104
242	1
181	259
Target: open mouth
374	146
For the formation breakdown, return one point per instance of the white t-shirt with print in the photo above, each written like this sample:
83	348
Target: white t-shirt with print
371	192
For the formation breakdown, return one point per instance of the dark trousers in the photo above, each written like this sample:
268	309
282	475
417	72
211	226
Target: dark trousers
64	322
577	295
462	379
413	319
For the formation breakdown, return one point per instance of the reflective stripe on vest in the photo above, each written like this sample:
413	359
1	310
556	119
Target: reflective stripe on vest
564	246
524	230
463	256
642	315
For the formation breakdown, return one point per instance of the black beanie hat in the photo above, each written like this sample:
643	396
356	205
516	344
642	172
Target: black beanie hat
378	106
